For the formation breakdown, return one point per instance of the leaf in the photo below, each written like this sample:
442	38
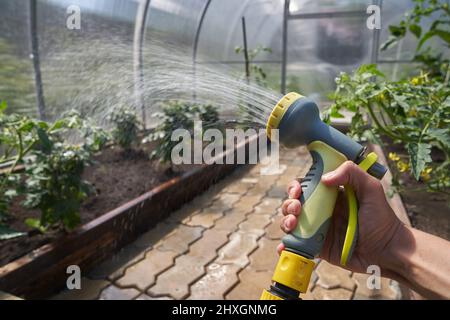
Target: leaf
3	106
419	154
397	31
444	35
35	224
416	30
45	141
441	135
334	113
425	38
8	233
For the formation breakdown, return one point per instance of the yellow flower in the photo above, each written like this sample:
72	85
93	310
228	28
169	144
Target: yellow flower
393	156
415	81
425	174
412	112
402	166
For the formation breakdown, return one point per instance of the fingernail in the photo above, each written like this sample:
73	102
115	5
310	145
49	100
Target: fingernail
292	208
287	224
290	192
328	175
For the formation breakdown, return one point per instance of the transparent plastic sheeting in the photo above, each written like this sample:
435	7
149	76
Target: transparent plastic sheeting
95	66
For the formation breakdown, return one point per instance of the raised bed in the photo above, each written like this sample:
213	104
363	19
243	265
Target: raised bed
42	272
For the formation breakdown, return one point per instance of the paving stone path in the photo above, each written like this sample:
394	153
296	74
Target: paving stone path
221	245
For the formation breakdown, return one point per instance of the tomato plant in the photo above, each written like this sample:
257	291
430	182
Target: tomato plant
126	127
54	156
176	115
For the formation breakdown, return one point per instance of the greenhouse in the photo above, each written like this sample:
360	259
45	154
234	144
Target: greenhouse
224	150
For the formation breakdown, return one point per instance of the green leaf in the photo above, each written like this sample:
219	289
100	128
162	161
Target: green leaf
419	154
397	31
8	233
334	113
416	30
45	141
35	224
3	106
444	35
441	135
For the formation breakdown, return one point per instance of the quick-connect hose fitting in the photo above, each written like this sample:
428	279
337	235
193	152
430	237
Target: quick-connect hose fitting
291	277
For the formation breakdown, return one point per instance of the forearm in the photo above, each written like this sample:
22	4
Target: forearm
421	261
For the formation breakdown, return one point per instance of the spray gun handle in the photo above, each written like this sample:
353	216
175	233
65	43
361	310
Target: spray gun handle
318	202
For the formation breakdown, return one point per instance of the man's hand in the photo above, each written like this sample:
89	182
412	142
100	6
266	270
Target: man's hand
377	222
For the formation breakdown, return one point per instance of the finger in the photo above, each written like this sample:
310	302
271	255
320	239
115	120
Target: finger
288	223
348	173
280	248
294	189
291	206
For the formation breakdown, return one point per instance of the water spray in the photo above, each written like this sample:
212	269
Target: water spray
298	121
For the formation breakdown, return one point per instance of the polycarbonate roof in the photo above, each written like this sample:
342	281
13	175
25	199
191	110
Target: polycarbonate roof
319	45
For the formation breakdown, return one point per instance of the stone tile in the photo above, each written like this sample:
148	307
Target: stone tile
154	235
237	187
251	285
205	218
265	257
255	224
230	221
189	267
114	293
206	248
175	281
387	289
218	280
273	231
331	277
227	200
268	205
247	203
237	250
277	192
178	241
183	214
147	297
115	266
320	293
143	274
90	290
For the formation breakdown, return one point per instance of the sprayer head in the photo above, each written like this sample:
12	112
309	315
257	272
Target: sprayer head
299	123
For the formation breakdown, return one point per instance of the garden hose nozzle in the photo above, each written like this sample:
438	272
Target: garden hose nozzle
298	121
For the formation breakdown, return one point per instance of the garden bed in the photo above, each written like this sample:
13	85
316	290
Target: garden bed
118	177
427	211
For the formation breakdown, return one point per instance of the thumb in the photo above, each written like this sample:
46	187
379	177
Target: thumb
347	174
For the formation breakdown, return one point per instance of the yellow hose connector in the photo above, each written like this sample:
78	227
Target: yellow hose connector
293	271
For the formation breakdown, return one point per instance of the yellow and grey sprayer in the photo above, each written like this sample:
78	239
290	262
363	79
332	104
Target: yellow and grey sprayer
298	121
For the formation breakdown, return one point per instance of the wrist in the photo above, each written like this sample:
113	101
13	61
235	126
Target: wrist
394	260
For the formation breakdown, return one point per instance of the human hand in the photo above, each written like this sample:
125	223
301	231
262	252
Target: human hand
378	223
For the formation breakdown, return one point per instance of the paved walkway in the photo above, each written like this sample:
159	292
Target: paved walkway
220	246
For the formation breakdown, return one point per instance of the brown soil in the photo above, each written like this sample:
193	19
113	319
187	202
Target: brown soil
428	211
117	175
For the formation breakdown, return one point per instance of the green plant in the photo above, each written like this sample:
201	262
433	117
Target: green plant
413	112
126	127
254	71
51	181
176	115
435	63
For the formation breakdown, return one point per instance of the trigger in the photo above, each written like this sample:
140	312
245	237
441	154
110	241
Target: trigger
351	236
